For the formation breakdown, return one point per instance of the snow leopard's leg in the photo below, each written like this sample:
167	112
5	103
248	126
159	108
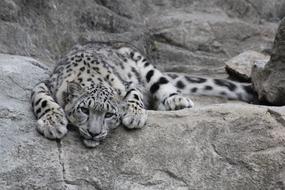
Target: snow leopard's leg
159	87
164	92
52	121
135	115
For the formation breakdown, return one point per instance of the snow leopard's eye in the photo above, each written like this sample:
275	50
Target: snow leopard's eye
84	110
109	115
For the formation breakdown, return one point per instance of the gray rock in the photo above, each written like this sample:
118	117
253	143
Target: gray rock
200	42
27	160
47	29
269	79
239	67
194	36
213	146
254	9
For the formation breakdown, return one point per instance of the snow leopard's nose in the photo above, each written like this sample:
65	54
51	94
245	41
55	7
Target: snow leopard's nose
93	133
95	124
98	136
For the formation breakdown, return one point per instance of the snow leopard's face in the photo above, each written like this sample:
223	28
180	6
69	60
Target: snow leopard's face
95	112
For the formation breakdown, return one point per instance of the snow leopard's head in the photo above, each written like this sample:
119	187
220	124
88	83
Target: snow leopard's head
94	111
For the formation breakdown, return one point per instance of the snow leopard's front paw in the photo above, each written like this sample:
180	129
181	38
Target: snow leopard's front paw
175	102
135	116
52	125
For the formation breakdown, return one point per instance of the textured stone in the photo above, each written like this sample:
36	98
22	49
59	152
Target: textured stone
254	9
216	147
200	43
269	79
194	36
239	67
213	146
27	160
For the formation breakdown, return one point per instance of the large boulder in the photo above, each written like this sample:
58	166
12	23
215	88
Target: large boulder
269	79
27	160
214	146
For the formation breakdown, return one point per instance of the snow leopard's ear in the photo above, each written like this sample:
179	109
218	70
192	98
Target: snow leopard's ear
74	89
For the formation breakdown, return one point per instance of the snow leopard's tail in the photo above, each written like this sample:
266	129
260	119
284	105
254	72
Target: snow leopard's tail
193	85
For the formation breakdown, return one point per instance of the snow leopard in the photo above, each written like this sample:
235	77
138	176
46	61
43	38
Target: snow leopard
102	85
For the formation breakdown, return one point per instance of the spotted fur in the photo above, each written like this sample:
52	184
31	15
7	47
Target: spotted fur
193	85
99	86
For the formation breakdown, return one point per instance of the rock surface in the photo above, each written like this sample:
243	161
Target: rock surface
27	160
239	67
218	146
269	79
191	36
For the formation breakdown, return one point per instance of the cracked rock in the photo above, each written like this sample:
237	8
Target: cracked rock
27	160
208	147
214	146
